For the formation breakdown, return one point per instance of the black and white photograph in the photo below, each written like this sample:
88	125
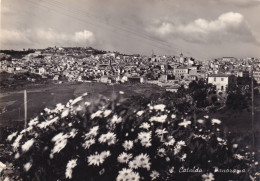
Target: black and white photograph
129	90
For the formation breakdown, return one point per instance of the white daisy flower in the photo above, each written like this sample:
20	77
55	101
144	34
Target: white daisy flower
59	107
124	157
215	121
107	113
27	166
146	143
154	175
134	176
140	113
143	161
183	157
109	138
128	145
11	136
76	100
173	116
181	143
115	119
96	114
105	154
85	94
159	119
178	147
2	167
145	138
16	142
65	113
27	145
127	174
28	129
159	107
134	164
161	132
145	125
171	170
185	123
208	177
238	157
235	145
201	121
170	142
221	141
145	135
95	160
79	108
73	133
161	152
88	143
60	142
87	104
33	122
17	155
70	165
92	132
47	123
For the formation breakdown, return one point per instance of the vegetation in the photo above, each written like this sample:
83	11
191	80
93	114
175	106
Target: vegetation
105	140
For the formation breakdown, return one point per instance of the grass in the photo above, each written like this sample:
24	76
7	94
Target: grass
42	96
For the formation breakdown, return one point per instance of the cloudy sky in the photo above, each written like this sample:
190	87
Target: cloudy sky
199	28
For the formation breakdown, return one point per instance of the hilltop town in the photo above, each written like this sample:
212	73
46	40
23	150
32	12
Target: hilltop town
91	65
178	92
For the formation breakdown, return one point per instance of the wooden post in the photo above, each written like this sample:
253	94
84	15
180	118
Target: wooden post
19	113
25	109
253	124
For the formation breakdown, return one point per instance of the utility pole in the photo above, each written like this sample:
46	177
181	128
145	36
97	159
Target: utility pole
113	89
19	113
25	109
253	123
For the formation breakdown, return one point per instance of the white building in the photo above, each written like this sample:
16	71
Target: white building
181	72
256	75
42	71
221	81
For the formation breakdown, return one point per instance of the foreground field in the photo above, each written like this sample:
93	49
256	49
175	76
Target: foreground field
41	96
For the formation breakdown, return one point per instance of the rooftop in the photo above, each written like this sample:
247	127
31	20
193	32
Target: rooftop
219	75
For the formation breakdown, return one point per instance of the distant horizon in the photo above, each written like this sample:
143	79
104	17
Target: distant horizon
114	51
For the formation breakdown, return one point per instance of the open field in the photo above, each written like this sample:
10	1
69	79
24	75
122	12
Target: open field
12	102
41	96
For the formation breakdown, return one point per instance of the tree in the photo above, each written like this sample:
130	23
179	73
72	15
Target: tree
236	101
199	92
181	92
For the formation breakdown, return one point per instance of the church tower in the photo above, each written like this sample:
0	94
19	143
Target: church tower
181	59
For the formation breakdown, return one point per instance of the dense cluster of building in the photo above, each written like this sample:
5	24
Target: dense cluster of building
88	64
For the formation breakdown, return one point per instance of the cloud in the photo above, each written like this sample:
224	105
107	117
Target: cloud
241	3
227	27
10	37
44	38
4	9
84	36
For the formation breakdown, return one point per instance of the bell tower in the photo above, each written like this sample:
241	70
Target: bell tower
181	59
